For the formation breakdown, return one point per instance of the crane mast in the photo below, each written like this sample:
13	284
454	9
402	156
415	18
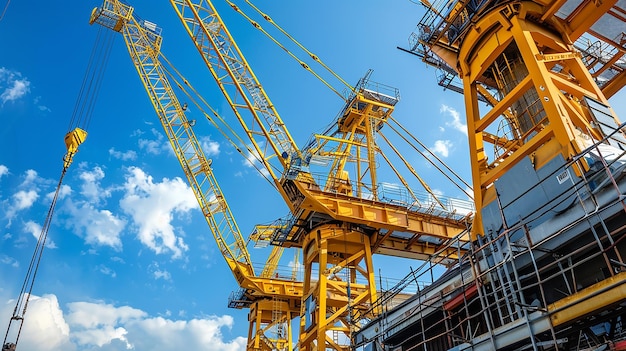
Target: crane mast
264	295
337	230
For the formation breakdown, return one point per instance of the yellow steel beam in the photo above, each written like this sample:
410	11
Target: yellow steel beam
340	291
399	247
270	325
595	298
588	13
614	85
383	215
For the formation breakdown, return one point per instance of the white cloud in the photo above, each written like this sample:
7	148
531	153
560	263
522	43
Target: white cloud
456	122
3	170
124	156
252	160
98	227
91	188
13	85
4	259
96	325
91	315
155	146
18	88
137	132
158	273
44	327
152	207
117	259
30	177
35	230
107	271
442	147
41	107
24	199
210	147
165	275
195	334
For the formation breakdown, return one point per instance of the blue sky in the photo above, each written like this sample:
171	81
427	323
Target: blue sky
130	262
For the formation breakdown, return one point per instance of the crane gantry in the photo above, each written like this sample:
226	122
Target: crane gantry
338	221
265	293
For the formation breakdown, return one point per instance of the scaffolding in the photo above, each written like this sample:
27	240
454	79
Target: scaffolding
554	280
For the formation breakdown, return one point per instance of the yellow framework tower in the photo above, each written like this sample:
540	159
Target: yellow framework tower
520	57
541	77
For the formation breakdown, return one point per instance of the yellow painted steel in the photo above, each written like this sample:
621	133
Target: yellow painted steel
270	327
340	291
598	296
523	59
561	129
73	139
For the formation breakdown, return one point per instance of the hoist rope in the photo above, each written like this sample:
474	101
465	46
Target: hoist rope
76	134
90	86
6	6
471	196
294	56
23	298
312	55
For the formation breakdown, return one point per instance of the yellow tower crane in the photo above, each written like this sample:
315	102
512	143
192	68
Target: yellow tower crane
338	221
264	294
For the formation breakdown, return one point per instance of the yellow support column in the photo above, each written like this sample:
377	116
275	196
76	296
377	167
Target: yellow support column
269	330
542	83
339	287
